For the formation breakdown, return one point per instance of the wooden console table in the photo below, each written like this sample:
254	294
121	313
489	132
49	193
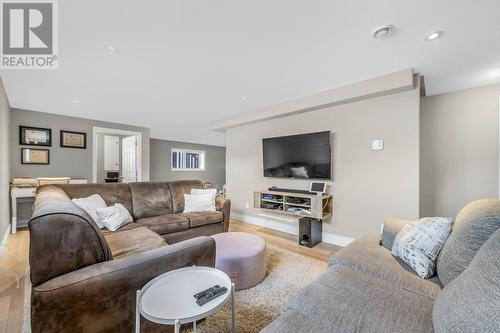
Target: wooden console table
27	192
319	206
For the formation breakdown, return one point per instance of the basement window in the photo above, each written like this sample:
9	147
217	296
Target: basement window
188	160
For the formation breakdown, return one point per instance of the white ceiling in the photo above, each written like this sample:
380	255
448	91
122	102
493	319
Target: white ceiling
193	61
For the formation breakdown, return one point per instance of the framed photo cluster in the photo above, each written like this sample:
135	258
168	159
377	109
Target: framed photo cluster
42	137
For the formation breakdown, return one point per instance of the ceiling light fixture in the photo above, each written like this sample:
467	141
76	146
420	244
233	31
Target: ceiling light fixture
434	35
112	48
494	73
383	31
177	121
243	99
75	101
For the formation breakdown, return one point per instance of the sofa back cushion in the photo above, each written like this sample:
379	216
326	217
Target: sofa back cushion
150	199
473	226
471	302
111	193
63	237
178	189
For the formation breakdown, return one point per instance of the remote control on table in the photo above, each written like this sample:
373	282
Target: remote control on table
211	295
204	292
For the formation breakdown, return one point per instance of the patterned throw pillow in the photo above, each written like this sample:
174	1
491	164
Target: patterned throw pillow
418	243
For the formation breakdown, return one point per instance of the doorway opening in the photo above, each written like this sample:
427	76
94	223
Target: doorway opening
116	155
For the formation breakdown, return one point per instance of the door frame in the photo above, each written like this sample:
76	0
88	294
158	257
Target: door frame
104	130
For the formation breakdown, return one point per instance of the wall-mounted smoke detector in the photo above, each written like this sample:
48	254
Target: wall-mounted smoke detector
383	31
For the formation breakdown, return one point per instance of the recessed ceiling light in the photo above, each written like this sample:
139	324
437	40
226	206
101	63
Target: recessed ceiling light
75	101
243	98
112	48
494	73
383	31
177	121
434	35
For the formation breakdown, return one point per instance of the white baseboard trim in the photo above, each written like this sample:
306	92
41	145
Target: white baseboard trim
336	239
5	238
272	222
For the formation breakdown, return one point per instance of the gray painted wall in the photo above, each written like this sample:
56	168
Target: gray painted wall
368	187
161	161
459	149
4	162
75	163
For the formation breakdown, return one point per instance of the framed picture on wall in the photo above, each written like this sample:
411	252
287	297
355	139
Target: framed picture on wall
34	156
35	136
71	139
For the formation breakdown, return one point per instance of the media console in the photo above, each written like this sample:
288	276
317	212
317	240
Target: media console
309	208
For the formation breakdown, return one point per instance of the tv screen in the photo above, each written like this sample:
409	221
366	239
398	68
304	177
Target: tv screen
298	156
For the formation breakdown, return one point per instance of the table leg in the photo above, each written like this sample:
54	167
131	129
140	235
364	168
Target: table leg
137	314
177	326
194	326
233	310
14	214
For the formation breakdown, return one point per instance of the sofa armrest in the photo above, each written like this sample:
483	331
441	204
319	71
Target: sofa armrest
391	229
93	294
224	205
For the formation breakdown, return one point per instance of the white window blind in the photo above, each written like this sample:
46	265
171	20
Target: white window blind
188	160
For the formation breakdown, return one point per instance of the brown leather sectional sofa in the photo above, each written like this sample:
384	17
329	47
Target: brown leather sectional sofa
85	279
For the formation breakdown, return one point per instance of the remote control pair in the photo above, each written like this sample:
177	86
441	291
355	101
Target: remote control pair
209	294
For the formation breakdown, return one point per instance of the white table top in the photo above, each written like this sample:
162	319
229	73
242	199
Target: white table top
169	297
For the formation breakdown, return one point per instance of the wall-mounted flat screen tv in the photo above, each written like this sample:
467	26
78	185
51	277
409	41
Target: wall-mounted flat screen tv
305	156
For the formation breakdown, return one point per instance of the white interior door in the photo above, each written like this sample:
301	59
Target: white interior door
111	153
129	161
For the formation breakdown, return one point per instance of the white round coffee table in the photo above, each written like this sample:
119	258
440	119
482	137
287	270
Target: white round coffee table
168	298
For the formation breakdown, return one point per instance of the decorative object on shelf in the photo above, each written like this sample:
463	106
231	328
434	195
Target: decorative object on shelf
208	185
35	136
52	180
318	187
34	156
71	139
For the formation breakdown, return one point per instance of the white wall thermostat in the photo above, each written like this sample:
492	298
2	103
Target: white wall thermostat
378	144
318	187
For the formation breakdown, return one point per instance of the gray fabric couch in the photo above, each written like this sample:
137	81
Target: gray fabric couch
366	289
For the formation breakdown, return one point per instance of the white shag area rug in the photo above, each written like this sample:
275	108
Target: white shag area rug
287	273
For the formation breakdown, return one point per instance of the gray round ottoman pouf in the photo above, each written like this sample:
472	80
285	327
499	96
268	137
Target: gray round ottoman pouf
242	256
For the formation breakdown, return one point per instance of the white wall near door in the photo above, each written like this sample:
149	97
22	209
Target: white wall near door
129	164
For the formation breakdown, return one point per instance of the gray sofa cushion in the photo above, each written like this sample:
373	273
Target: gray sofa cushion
345	300
391	229
366	255
293	321
471	302
473	226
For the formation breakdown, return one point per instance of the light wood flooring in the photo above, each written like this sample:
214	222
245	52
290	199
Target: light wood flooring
15	261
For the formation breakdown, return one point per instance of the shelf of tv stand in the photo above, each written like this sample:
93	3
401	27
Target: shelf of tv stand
321	206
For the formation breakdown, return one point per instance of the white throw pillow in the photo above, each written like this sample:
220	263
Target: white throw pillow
194	203
299	172
418	243
114	217
90	204
198	191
